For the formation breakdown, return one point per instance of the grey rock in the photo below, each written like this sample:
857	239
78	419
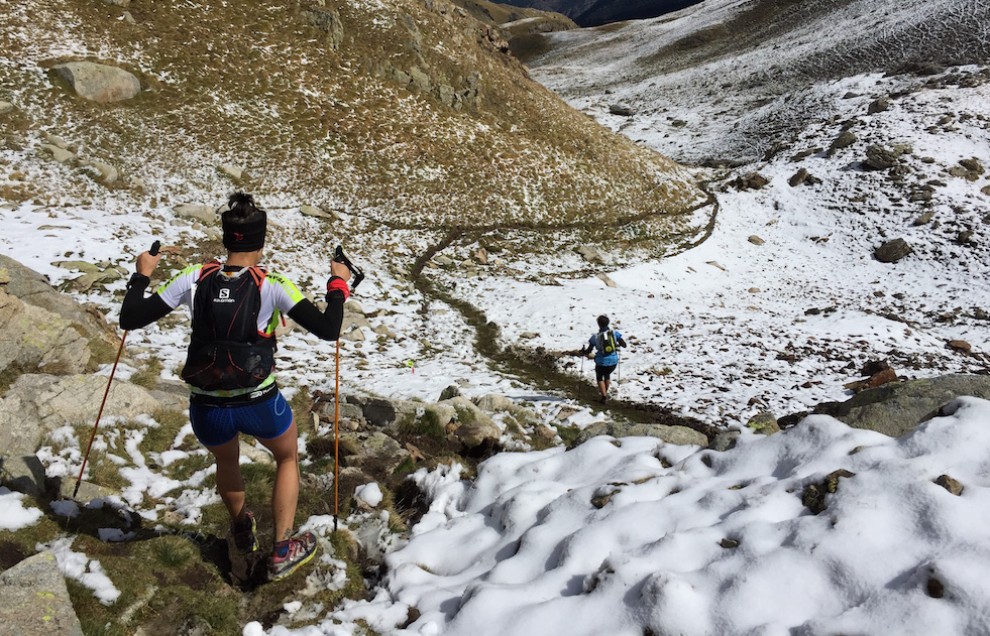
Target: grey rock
328	21
605	279
99	82
899	407
450	392
799	177
679	435
105	173
202	213
892	251
312	210
494	403
61	155
476	427
34	289
880	158
23	473
36	404
236	174
764	423
750	181
623	110
878	105
845	139
724	440
5	107
36	339
34	600
590	254
376	411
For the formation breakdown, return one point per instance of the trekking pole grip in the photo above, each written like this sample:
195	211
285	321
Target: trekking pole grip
155	247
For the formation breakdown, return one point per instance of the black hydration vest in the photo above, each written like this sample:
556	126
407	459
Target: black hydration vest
226	350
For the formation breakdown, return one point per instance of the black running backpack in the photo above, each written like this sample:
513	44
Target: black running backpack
226	350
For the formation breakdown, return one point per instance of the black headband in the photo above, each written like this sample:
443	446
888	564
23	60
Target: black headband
241	236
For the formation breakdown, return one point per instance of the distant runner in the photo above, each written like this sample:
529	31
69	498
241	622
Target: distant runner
606	345
230	365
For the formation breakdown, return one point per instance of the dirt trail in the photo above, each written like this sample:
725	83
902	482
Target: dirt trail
538	368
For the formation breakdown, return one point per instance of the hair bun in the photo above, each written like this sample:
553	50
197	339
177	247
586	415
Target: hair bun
240	199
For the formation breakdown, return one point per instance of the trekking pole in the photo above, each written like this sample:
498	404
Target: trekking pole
358	276
75	491
618	376
336	434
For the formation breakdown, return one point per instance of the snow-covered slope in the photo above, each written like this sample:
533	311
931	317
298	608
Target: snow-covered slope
782	322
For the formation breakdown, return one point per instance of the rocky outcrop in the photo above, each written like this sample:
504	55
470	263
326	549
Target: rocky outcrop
899	407
44	330
37	339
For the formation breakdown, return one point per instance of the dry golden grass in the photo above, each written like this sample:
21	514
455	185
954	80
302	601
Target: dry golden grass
477	144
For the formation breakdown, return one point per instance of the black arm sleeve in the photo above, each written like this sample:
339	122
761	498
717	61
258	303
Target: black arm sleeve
138	311
622	343
325	326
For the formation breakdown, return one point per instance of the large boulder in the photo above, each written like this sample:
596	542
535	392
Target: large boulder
34	599
99	82
899	407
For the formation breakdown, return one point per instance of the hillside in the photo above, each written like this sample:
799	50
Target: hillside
406	114
752	64
598	12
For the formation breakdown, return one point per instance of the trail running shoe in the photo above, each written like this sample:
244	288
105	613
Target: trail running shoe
244	534
302	547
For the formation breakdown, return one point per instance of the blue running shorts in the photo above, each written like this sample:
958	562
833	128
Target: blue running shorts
217	425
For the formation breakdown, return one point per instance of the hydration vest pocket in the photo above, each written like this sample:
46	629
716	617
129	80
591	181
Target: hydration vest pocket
224	365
